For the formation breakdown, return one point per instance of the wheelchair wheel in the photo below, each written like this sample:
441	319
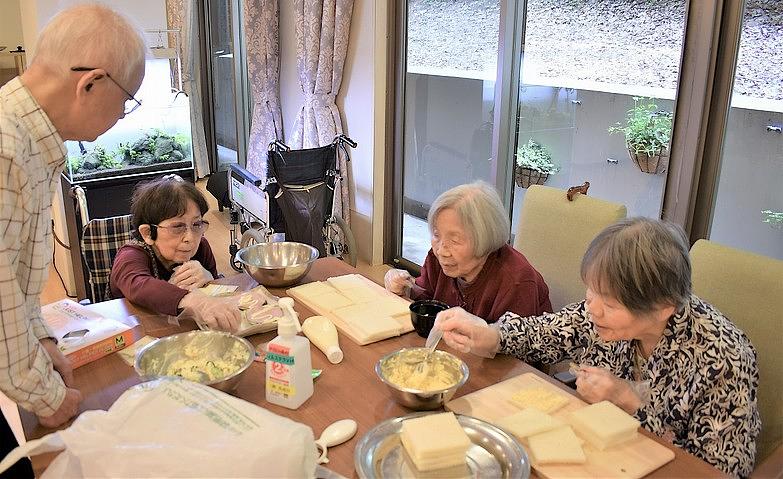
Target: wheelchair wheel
249	237
339	240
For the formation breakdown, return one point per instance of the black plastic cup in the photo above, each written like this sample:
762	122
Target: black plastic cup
423	314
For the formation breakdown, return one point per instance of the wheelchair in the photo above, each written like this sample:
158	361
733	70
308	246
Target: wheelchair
302	184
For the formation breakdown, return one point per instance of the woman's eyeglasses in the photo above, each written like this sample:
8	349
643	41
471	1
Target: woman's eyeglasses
131	104
179	229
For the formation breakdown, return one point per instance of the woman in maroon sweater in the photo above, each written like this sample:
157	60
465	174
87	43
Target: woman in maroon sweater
471	264
169	258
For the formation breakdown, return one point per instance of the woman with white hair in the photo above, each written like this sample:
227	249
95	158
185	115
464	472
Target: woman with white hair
642	341
471	264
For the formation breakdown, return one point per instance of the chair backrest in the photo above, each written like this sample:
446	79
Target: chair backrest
101	238
748	289
554	233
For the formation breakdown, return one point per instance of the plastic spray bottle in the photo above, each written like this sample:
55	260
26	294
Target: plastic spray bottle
289	381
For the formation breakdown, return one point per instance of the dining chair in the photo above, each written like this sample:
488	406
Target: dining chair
101	239
554	233
748	289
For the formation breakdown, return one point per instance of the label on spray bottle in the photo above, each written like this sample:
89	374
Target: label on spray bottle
280	366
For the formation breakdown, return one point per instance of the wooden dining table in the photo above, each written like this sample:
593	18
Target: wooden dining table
349	389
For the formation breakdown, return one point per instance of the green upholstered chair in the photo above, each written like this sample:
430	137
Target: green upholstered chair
748	289
553	234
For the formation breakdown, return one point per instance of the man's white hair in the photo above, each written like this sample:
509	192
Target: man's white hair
91	35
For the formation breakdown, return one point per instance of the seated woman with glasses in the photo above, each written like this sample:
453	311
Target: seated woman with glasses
169	258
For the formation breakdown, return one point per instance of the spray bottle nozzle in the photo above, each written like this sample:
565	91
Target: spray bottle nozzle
289	323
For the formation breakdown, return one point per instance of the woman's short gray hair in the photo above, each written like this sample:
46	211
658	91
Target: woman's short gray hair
643	263
92	36
481	212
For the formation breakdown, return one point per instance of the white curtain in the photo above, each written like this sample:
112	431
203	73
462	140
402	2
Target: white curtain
261	19
191	83
322	30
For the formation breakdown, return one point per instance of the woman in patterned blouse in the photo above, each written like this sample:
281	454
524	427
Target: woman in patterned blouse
644	342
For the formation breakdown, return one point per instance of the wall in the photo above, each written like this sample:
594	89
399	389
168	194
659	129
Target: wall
361	94
146	14
10	31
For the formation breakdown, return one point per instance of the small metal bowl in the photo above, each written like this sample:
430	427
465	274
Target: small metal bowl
155	359
418	399
277	264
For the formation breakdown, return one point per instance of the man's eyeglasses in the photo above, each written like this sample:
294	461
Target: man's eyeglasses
131	104
179	229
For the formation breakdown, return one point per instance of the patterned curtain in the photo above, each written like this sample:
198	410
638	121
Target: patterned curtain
322	28
262	43
183	15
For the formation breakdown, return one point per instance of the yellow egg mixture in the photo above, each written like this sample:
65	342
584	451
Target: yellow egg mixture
407	371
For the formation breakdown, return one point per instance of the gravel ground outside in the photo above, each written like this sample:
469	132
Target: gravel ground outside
628	42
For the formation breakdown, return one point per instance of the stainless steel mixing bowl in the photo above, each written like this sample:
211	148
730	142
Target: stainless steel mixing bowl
417	399
156	358
277	264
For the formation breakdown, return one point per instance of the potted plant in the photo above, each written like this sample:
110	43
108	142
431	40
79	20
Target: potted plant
533	164
647	133
773	218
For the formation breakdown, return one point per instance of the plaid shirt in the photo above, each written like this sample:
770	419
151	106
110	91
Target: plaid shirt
32	156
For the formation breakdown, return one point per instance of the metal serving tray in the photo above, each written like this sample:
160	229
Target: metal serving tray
494	453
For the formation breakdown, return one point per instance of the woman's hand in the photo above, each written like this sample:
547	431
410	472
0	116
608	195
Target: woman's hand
468	333
398	281
220	313
190	275
599	384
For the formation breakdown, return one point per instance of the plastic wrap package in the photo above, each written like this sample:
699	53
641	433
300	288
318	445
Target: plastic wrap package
176	428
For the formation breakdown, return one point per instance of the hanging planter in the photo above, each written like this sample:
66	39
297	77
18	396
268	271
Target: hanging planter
528	176
652	164
533	165
647	134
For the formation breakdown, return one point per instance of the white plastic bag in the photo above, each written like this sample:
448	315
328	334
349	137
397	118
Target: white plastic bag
177	428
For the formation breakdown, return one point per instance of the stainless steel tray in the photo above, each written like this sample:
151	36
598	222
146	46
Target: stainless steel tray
494	453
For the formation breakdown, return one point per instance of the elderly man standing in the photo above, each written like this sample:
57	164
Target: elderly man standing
88	63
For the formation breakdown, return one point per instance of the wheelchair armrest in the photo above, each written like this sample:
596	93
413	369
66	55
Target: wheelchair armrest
241	173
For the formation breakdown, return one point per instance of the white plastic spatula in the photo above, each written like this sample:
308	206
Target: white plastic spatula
335	433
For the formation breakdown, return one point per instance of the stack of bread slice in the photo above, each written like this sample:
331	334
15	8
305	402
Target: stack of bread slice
604	425
370	313
435	441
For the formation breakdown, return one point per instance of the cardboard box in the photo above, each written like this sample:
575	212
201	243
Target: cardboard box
84	335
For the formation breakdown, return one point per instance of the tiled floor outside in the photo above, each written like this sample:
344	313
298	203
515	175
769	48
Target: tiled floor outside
415	239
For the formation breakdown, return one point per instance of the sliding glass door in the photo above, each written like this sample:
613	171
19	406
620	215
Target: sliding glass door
449	77
748	209
227	82
597	80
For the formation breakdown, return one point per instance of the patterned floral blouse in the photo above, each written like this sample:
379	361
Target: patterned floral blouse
702	375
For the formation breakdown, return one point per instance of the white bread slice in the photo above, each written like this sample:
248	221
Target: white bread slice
604	425
529	422
558	446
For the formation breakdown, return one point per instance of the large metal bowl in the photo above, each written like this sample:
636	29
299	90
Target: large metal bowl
159	358
277	264
418	399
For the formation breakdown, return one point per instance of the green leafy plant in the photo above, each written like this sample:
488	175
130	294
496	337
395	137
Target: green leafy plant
773	218
536	157
647	129
75	163
105	160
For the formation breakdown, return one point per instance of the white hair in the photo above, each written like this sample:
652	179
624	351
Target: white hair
94	36
481	213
